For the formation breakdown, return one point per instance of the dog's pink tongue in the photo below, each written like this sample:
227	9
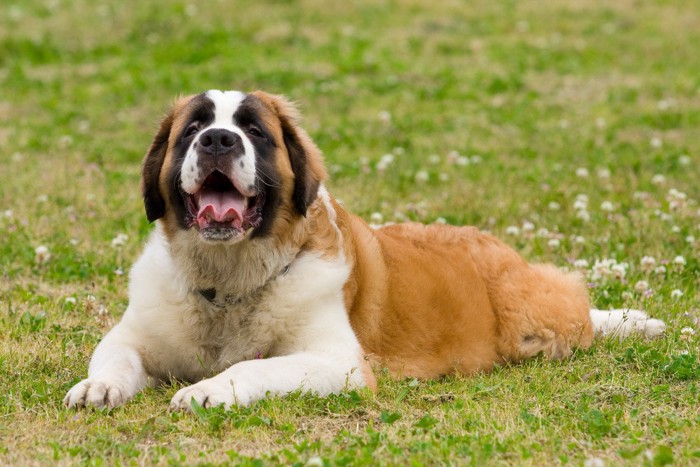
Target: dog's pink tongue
220	207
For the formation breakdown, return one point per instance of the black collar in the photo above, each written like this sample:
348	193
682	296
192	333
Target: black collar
210	294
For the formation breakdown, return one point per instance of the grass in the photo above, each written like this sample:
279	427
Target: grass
489	109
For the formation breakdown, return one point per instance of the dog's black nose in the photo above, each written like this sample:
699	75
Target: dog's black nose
219	141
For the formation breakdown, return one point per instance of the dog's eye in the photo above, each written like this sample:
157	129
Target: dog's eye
255	132
191	130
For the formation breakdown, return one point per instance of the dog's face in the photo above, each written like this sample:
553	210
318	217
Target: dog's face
229	164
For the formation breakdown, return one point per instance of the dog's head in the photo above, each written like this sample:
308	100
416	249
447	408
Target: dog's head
228	164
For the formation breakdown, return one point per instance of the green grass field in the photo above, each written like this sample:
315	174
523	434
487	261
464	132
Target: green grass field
571	129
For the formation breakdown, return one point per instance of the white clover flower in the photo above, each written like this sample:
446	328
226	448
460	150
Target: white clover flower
512	230
581	264
42	198
582	172
656	142
434	159
690	239
687	333
462	161
601	269
119	272
554	243
441	220
583	215
679	261
676	293
675	229
607	206
660	270
641	287
627	296
399	151
554	206
376	217
120	240
443	177
684	160
83	126
528	226
658	179
619	270
384	116
422	176
581	203
676	193
647	263
65	141
604	174
665	104
314	461
384	162
74	241
542	232
71	300
676	199
594	462
452	157
475	159
8	213
42	254
664	216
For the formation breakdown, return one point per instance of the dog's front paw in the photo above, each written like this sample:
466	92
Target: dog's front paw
96	393
211	392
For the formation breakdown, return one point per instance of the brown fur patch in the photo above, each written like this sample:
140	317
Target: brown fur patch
432	300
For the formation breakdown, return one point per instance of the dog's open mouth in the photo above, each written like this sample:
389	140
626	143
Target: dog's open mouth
219	211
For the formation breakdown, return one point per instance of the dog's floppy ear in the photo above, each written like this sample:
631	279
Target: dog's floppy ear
152	197
305	157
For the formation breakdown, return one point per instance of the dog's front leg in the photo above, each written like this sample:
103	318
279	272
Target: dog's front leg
252	380
115	374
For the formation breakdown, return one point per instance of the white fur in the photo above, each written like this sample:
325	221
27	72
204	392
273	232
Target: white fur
622	323
225	106
169	330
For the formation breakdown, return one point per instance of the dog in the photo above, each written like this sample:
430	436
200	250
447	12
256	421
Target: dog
256	281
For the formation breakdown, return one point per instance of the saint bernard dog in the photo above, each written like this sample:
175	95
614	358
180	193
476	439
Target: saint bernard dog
256	282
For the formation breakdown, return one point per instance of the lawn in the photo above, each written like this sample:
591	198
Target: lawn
571	129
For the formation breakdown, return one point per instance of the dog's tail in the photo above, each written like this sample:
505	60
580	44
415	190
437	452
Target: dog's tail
624	322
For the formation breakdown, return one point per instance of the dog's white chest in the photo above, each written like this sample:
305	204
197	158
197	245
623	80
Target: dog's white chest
230	330
192	334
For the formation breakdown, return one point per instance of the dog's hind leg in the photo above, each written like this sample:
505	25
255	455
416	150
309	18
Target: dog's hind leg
542	310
